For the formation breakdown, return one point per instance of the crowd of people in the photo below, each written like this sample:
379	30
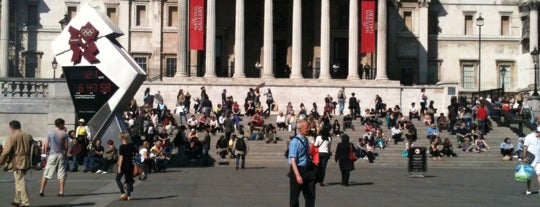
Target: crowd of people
155	131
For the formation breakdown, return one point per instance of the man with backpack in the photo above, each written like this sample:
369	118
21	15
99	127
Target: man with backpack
240	149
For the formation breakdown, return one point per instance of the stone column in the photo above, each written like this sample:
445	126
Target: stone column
533	19
4	40
239	56
353	40
210	62
296	69
325	40
182	55
381	40
268	39
423	40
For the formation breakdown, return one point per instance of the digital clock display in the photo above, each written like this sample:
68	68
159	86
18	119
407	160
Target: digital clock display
90	89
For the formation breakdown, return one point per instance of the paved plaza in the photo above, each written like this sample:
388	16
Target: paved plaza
261	186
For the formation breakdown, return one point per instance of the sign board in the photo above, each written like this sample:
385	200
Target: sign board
101	75
417	161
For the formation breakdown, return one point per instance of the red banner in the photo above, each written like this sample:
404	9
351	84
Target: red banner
367	37
196	24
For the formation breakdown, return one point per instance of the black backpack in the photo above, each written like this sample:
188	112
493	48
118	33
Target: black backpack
35	154
241	145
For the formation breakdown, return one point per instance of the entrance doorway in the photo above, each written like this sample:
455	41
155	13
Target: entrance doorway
341	59
281	69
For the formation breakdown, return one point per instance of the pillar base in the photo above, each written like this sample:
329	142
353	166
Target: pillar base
534	103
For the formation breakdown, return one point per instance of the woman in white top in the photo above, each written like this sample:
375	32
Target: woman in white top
323	142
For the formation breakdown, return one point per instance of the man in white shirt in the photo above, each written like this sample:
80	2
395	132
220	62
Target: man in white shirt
192	122
280	121
413	112
532	145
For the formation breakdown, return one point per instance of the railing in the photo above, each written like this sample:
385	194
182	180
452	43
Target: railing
25	87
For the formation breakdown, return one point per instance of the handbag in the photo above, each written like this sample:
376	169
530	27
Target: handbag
523	172
136	170
352	155
530	157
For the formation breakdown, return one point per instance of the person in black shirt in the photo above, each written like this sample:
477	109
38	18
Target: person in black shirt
125	167
461	133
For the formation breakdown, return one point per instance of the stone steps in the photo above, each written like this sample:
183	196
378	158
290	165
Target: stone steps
262	154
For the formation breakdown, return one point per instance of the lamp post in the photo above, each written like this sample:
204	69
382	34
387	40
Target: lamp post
479	23
503	73
54	66
64	21
534	55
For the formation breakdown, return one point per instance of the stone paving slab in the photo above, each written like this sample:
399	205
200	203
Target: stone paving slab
261	186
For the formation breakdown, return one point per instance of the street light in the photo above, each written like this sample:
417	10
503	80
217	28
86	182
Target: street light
64	21
54	66
503	73
534	55
479	23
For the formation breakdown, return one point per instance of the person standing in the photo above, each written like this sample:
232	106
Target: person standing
346	165
354	107
302	172
125	167
57	143
228	126
323	142
532	145
16	154
240	149
84	136
341	100
205	147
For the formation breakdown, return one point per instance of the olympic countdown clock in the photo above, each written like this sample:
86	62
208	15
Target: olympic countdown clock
101	75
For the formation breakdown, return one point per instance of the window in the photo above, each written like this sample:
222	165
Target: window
72	11
172	18
525	34
33	15
407	20
112	14
468	76
468	24
141	16
506	80
505	25
141	61
171	67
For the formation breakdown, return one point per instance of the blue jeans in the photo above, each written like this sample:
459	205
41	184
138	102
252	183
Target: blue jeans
243	160
324	157
341	106
181	114
74	162
90	163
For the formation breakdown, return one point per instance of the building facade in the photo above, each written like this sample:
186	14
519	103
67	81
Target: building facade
419	42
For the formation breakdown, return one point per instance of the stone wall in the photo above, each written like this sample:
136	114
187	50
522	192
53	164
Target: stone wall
37	114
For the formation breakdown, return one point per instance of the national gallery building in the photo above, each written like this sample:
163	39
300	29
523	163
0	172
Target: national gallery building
470	45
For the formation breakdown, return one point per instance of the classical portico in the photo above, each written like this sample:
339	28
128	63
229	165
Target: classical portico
283	46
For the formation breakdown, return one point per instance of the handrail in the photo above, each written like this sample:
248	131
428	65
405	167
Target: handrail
25	87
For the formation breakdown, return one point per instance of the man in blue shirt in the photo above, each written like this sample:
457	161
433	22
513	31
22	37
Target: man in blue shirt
302	175
432	133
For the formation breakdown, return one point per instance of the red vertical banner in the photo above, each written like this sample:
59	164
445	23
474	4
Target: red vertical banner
196	24
367	43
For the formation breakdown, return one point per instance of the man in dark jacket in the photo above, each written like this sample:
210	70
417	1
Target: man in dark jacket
205	146
354	107
228	126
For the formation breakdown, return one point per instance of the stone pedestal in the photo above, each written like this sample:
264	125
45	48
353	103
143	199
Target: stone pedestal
534	103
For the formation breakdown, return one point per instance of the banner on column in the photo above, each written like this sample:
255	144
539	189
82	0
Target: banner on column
368	27
196	24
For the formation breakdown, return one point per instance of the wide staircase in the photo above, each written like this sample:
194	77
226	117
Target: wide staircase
262	154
